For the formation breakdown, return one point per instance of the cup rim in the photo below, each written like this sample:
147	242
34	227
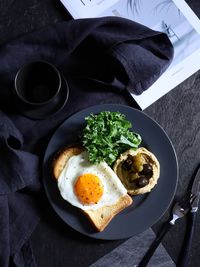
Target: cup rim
37	103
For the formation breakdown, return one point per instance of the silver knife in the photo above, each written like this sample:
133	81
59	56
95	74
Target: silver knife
194	202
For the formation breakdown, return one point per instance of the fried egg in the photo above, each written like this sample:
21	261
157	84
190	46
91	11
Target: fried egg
89	186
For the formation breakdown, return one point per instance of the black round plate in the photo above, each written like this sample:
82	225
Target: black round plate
146	209
46	111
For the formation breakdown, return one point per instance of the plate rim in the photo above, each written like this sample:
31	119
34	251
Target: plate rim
103	107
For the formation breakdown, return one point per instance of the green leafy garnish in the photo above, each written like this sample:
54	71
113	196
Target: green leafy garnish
106	135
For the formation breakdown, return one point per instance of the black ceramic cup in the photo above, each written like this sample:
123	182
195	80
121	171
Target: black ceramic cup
37	84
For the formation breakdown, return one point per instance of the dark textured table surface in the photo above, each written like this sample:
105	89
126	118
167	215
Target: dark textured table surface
178	112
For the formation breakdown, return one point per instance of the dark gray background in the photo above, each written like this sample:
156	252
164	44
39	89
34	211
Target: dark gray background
178	113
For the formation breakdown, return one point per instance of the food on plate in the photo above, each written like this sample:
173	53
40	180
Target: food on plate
98	176
106	135
62	156
93	188
139	170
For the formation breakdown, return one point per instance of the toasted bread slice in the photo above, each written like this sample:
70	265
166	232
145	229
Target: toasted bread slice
62	157
101	217
104	215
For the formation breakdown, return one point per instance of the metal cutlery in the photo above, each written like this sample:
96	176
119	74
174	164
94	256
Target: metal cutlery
195	196
188	204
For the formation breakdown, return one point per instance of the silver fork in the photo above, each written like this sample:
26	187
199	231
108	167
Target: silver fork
179	210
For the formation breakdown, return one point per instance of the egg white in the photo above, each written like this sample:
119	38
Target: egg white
78	165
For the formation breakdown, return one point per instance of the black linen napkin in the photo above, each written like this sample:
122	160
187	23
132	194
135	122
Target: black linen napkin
99	57
19	173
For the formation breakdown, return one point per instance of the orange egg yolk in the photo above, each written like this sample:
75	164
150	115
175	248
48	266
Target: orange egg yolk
88	189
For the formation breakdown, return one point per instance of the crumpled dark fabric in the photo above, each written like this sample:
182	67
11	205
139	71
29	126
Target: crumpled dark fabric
19	174
100	58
